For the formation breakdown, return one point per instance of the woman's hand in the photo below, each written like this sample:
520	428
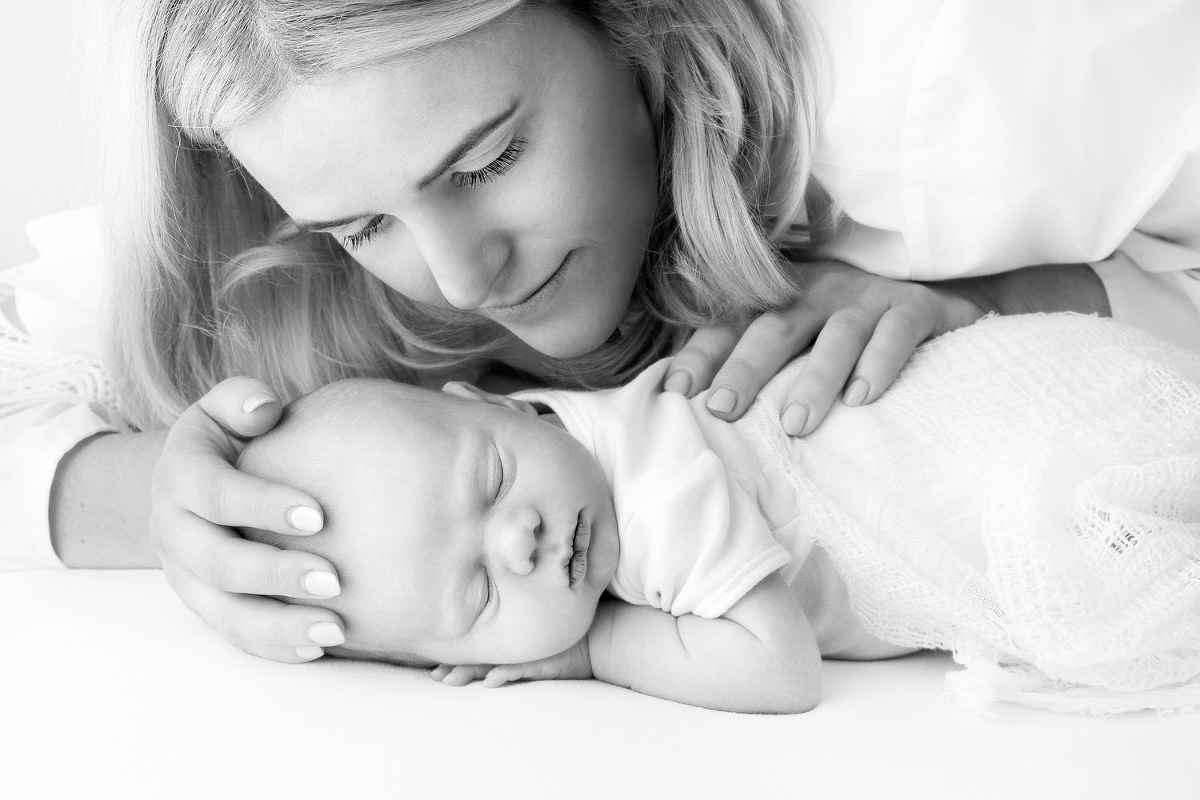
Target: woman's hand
197	497
862	329
573	663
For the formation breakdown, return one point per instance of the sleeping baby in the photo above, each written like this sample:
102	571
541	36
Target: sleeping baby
1026	495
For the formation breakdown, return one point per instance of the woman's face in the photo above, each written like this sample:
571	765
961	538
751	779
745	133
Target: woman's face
510	173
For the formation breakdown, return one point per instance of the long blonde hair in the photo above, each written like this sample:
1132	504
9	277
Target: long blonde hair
211	280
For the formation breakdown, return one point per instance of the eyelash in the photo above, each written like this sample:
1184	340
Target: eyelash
488	173
500	479
467	180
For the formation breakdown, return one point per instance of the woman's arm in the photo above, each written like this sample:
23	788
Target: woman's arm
862	329
100	502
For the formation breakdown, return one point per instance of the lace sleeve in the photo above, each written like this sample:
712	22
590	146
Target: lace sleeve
35	374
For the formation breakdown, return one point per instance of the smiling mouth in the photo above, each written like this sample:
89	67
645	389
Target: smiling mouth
540	297
577	564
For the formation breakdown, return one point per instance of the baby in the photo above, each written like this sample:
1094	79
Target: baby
1026	495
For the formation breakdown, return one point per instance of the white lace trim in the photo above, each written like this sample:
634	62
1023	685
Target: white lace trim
33	374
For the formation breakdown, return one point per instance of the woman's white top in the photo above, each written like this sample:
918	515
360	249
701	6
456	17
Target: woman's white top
969	137
961	138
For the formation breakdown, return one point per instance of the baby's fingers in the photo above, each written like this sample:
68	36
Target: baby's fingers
459	674
502	674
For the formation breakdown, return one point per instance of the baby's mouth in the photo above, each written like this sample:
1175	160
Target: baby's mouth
577	565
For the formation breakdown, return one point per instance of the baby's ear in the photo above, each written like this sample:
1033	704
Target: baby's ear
469	391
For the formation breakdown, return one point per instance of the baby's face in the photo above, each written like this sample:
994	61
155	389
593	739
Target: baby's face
465	532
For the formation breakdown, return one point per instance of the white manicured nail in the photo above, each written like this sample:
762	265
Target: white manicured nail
257	401
327	634
855	393
678	382
793	420
309	653
322	584
305	518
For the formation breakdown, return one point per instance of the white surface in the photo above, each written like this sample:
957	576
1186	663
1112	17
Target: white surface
111	688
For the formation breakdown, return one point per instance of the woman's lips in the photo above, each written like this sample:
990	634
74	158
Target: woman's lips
577	566
538	300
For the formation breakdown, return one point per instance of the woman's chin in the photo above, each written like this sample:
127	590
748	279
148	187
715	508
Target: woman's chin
564	341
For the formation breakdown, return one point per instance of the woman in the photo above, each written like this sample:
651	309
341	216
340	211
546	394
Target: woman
423	190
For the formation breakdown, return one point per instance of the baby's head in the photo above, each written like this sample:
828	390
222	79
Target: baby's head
463	531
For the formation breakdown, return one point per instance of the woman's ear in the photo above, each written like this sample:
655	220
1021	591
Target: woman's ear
469	391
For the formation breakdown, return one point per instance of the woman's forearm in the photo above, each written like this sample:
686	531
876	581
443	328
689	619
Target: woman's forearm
100	502
1053	287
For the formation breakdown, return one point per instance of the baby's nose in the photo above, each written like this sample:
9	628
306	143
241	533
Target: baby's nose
514	540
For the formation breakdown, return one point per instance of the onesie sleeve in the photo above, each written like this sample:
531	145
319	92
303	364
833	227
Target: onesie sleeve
694	542
54	390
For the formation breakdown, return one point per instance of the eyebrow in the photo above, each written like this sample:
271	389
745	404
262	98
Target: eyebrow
465	145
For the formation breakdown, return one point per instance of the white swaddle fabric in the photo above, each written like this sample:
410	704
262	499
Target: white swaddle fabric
1026	495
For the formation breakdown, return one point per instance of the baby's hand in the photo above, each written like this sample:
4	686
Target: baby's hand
574	663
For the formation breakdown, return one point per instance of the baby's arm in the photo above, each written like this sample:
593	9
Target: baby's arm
759	657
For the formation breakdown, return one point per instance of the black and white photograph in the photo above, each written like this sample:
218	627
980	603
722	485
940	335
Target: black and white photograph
600	398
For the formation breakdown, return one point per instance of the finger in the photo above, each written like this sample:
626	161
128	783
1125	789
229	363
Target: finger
262	621
772	340
691	370
440	671
461	675
195	473
833	357
284	655
498	676
242	406
218	556
899	332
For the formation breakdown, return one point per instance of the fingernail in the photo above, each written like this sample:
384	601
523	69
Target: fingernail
256	401
305	518
322	584
793	420
309	653
326	633
678	382
722	401
855	393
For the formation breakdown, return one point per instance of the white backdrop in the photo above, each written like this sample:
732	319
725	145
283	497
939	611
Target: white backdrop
46	154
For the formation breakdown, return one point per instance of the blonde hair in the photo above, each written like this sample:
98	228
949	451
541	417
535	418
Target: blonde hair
211	279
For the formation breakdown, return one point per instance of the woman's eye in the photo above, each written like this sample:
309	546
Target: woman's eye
364	234
501	165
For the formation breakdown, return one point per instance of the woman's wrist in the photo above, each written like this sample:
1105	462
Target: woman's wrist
1047	288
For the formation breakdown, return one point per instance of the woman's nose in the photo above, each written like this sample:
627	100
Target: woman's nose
463	257
513	539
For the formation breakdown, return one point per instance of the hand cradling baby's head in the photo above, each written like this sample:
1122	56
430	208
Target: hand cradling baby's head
454	524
